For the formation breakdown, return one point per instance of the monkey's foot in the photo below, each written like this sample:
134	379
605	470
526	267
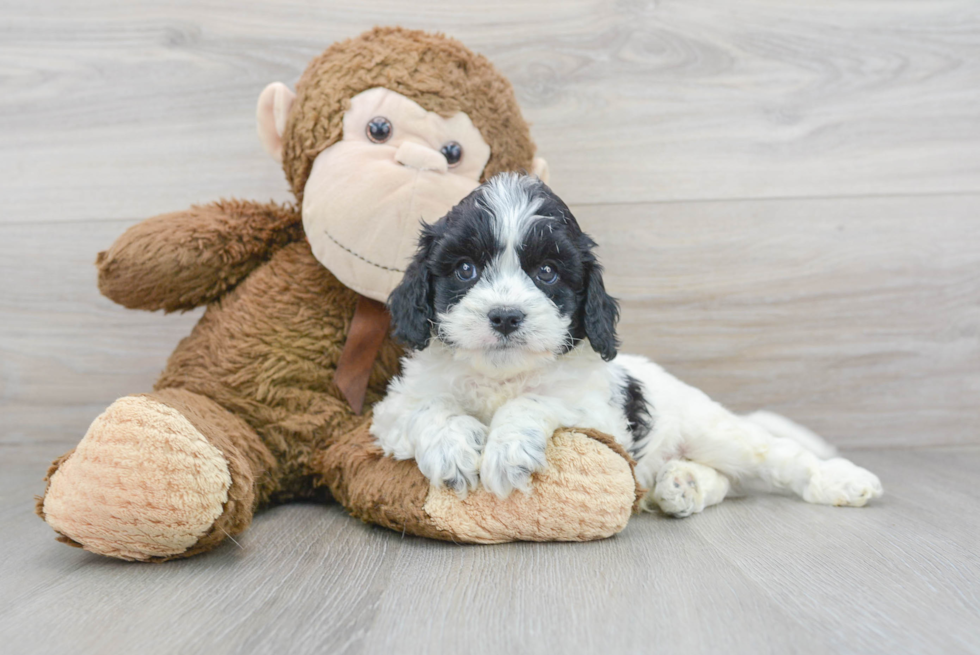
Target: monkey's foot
588	491
143	484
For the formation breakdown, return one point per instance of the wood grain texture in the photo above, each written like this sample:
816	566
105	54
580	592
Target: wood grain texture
858	317
763	574
66	351
123	110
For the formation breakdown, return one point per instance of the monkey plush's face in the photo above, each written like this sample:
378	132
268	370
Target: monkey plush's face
396	165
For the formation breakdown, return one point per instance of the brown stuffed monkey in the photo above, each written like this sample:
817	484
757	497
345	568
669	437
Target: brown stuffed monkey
261	403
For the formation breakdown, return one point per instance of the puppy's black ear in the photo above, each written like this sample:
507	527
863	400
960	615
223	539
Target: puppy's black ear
601	314
410	303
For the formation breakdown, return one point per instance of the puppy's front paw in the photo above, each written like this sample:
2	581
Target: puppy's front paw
510	457
449	453
842	483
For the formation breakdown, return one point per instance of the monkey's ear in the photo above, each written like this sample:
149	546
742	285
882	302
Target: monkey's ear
601	315
275	101
410	304
539	167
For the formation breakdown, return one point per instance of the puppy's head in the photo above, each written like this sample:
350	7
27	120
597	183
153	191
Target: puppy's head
505	279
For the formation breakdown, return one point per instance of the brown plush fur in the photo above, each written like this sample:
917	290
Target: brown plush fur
439	73
256	375
185	259
375	488
267	353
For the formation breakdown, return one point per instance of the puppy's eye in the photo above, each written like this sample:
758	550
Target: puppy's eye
379	129
547	274
466	271
453	152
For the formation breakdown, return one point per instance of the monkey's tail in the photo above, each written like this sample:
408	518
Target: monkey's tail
781	427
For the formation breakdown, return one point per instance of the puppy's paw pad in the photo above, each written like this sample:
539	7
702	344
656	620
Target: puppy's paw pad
509	461
677	492
841	483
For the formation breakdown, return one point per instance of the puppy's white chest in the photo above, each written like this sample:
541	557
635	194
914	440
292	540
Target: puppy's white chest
482	396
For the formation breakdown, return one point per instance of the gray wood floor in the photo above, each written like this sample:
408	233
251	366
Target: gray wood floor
787	197
763	574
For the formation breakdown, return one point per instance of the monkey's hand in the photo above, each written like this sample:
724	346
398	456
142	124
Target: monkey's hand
181	260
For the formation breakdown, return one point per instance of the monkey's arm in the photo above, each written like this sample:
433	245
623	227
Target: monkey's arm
181	260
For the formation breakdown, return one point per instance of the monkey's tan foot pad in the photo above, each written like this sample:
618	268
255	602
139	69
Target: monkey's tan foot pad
142	484
587	492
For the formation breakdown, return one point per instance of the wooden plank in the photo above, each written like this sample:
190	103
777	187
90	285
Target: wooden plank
862	573
657	583
119	110
66	351
858	317
844	581
762	574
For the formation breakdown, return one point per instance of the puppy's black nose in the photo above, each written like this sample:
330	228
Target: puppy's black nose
505	320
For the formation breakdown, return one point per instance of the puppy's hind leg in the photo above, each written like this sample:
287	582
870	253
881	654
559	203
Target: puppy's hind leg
761	449
683	488
745	450
780	426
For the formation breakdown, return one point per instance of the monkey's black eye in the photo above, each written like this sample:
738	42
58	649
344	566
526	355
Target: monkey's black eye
379	129
453	152
466	271
547	274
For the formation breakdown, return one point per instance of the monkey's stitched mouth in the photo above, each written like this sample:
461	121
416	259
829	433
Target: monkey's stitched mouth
362	257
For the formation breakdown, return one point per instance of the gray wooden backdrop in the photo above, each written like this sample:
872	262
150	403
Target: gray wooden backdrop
786	194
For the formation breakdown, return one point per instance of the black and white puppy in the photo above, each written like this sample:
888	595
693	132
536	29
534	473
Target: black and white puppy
514	336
